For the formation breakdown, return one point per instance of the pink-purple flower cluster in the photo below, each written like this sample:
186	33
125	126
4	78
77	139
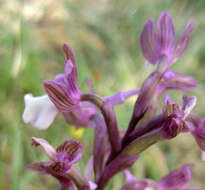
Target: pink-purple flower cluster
116	150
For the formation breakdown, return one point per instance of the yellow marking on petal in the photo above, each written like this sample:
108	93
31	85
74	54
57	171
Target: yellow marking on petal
76	133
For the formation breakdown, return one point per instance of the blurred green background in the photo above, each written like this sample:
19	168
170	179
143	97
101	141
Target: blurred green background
105	37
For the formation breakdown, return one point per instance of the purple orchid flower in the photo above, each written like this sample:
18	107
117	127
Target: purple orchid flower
61	160
156	43
176	115
177	180
180	119
64	92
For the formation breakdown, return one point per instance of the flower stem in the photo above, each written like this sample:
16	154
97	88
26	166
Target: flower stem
107	110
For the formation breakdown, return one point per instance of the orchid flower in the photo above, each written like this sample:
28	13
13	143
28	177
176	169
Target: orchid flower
176	115
177	180
63	95
61	160
156	43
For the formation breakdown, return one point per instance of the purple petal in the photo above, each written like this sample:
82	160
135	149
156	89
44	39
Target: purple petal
171	107
68	67
49	150
120	97
179	178
199	134
171	127
165	32
38	167
72	148
81	115
177	81
69	55
64	97
117	165
129	177
183	41
148	42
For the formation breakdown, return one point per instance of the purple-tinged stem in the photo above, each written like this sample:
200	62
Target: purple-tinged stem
101	144
79	180
153	124
142	143
146	96
107	110
147	127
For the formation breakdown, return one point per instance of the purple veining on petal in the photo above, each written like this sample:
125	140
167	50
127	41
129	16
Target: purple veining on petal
165	33
148	42
63	90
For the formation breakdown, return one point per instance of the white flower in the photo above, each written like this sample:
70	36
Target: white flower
39	111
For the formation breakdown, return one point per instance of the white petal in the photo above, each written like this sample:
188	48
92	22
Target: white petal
203	155
39	111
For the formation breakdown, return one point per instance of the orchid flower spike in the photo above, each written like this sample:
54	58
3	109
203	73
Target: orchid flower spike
61	159
65	94
159	42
